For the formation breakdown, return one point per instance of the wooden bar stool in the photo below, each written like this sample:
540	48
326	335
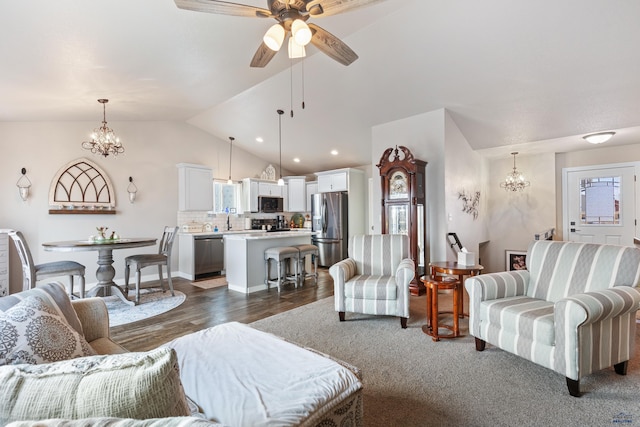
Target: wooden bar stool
433	285
289	255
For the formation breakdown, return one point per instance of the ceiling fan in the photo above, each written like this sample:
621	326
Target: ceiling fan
291	16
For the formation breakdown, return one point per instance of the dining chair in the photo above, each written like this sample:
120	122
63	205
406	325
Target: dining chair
163	257
32	272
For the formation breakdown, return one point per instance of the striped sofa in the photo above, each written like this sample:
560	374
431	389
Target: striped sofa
375	278
573	310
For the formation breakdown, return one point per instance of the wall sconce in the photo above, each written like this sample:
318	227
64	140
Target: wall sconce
23	185
132	190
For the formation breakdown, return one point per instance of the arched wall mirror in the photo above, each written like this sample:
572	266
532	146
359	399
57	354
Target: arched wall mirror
403	204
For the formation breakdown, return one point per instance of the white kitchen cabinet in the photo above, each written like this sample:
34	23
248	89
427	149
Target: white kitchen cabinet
333	181
195	187
269	189
296	194
312	188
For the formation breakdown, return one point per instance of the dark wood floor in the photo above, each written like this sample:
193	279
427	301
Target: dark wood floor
209	307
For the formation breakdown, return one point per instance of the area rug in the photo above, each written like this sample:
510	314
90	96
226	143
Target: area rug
211	283
410	380
152	302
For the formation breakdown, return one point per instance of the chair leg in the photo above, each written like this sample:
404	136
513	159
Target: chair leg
574	387
126	279
341	315
161	281
81	280
403	322
138	274
70	287
621	368
173	294
480	344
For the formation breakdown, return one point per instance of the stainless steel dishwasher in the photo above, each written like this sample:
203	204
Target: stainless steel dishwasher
209	255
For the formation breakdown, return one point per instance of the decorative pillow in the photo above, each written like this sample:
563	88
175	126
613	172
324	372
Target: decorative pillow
118	422
30	332
54	296
129	385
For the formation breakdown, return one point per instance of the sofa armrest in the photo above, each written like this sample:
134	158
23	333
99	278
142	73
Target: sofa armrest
497	285
595	306
93	316
341	272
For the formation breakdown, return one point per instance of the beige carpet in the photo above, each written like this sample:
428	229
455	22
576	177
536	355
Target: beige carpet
211	283
409	380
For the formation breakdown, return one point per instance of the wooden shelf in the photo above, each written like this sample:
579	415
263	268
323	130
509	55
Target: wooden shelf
82	211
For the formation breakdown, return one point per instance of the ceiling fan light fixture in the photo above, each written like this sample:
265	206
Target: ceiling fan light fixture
301	32
599	138
274	37
295	50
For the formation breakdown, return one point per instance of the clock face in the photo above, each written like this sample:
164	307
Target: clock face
398	186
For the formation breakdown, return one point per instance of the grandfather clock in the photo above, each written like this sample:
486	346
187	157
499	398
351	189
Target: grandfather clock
403	204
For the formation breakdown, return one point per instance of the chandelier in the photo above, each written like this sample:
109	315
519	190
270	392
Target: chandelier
515	180
103	140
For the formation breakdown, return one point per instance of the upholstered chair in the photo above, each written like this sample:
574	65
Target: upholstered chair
573	310
375	277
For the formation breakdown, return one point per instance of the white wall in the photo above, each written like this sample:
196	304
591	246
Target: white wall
152	150
515	217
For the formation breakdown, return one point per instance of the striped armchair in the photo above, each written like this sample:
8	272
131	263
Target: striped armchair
573	310
375	278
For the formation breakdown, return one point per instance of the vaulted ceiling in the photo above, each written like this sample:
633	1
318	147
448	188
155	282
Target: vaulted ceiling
528	74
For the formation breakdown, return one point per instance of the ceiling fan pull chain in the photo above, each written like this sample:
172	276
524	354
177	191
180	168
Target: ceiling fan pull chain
302	64
291	86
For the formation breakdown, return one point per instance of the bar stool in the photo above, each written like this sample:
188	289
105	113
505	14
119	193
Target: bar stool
303	251
433	285
279	254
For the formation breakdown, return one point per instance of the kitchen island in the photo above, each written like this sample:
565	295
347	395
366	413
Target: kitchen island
244	256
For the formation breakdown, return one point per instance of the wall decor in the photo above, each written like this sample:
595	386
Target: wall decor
515	260
470	202
81	187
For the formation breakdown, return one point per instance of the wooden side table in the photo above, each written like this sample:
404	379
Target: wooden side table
454	269
433	285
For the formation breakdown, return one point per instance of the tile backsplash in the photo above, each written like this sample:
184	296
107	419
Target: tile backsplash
237	221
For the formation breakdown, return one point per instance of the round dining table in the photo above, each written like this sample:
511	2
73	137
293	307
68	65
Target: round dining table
105	272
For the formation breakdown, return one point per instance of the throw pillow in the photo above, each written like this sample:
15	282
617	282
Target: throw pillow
30	332
54	296
128	385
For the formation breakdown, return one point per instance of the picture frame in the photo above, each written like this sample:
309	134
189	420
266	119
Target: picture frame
515	260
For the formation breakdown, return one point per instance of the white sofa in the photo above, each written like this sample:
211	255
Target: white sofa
573	310
230	375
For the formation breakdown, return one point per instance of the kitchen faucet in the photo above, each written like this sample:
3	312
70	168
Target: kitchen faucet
228	223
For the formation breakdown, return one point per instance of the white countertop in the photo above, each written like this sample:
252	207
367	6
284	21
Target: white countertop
258	234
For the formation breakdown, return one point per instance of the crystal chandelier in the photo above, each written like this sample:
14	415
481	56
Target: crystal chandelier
103	140
515	180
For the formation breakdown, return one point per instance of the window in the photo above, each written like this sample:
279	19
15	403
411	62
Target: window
226	198
600	200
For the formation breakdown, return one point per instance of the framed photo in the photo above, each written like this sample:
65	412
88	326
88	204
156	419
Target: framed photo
516	260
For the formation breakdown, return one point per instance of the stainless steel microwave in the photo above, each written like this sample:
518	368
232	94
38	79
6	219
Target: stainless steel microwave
270	204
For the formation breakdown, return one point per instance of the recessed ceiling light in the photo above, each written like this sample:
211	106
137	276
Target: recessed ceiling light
297	160
599	138
259	139
334	152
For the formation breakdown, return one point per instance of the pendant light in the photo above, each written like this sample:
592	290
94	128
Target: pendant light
515	180
280	113
229	182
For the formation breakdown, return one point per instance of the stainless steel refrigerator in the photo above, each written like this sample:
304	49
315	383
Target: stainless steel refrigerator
330	222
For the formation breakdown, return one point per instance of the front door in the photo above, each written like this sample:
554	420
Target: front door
600	204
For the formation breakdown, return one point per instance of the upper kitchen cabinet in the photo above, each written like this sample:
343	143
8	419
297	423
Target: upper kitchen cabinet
312	188
270	189
296	193
195	187
337	180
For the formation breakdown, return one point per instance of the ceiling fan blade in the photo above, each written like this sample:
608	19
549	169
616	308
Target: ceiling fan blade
320	8
332	46
223	8
262	56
